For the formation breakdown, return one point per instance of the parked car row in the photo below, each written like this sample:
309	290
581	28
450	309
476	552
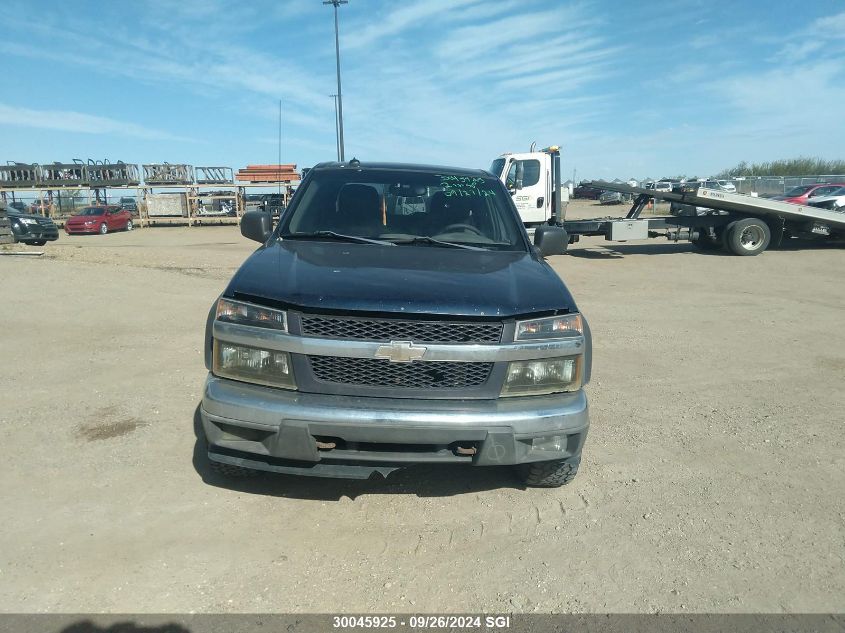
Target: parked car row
37	230
833	200
803	193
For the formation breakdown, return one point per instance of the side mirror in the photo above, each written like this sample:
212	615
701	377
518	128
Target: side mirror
551	240
256	225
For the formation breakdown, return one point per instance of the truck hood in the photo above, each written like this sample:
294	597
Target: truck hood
341	277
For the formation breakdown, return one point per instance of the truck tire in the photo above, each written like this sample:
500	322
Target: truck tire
551	474
230	471
748	236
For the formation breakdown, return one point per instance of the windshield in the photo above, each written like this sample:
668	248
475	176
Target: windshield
92	211
496	167
406	207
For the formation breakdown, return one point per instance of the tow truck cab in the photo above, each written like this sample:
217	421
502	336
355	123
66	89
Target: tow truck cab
533	180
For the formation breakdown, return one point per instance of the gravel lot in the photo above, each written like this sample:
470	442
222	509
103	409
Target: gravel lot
713	478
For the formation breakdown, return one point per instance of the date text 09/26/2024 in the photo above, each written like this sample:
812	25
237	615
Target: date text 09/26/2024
421	622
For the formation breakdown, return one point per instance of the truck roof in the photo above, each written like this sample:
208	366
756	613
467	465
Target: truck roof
429	169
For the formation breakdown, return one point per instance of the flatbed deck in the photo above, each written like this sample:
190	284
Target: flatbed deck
739	223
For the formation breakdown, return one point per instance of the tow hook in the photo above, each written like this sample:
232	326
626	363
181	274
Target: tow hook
465	450
325	446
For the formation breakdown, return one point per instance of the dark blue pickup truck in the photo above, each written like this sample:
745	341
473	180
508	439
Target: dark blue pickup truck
397	315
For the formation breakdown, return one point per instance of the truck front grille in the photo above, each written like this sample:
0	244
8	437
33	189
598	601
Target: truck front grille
373	372
400	330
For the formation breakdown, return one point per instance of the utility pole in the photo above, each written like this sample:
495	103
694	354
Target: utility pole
336	130
336	4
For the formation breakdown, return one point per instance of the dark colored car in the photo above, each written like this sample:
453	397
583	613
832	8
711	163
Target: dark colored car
585	192
803	193
32	229
369	333
129	204
99	219
690	186
611	197
273	203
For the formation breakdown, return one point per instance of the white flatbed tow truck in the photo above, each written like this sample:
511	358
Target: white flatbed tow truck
711	219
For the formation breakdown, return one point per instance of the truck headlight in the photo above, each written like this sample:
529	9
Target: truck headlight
564	326
253	364
242	313
538	377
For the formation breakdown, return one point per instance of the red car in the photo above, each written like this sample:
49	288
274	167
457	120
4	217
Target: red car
99	219
802	193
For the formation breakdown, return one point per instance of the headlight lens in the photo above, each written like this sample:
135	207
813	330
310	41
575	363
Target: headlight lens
252	364
563	326
229	311
538	377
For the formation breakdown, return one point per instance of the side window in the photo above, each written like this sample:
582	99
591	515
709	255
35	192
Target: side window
510	180
821	191
530	173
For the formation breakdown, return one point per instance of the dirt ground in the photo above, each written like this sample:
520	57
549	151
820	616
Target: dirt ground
713	477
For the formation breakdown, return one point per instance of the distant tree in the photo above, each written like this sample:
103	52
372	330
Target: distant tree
786	167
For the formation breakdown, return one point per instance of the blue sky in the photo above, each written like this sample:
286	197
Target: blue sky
647	88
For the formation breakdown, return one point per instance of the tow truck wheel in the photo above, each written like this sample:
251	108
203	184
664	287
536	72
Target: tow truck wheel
747	237
551	474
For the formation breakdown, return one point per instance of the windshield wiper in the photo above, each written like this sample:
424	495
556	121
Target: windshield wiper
423	239
335	236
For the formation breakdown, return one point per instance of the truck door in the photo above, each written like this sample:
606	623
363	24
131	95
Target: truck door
532	198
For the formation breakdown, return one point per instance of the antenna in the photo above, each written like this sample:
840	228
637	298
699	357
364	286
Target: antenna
279	164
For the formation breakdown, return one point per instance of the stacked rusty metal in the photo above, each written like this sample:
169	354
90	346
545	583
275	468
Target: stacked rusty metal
268	173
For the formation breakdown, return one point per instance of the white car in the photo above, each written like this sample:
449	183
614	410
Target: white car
662	185
719	185
835	200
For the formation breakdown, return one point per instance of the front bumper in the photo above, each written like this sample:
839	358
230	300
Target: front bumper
82	229
37	233
277	430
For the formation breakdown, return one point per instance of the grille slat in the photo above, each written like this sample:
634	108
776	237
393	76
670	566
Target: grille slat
400	330
382	373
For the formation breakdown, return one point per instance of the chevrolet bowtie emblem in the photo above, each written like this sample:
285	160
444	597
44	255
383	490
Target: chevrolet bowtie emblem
400	352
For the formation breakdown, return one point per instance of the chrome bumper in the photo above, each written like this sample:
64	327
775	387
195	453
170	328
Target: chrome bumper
274	429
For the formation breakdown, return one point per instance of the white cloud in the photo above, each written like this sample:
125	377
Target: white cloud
407	15
68	121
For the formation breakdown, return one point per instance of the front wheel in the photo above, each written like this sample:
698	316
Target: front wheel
129	225
550	474
104	229
749	236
